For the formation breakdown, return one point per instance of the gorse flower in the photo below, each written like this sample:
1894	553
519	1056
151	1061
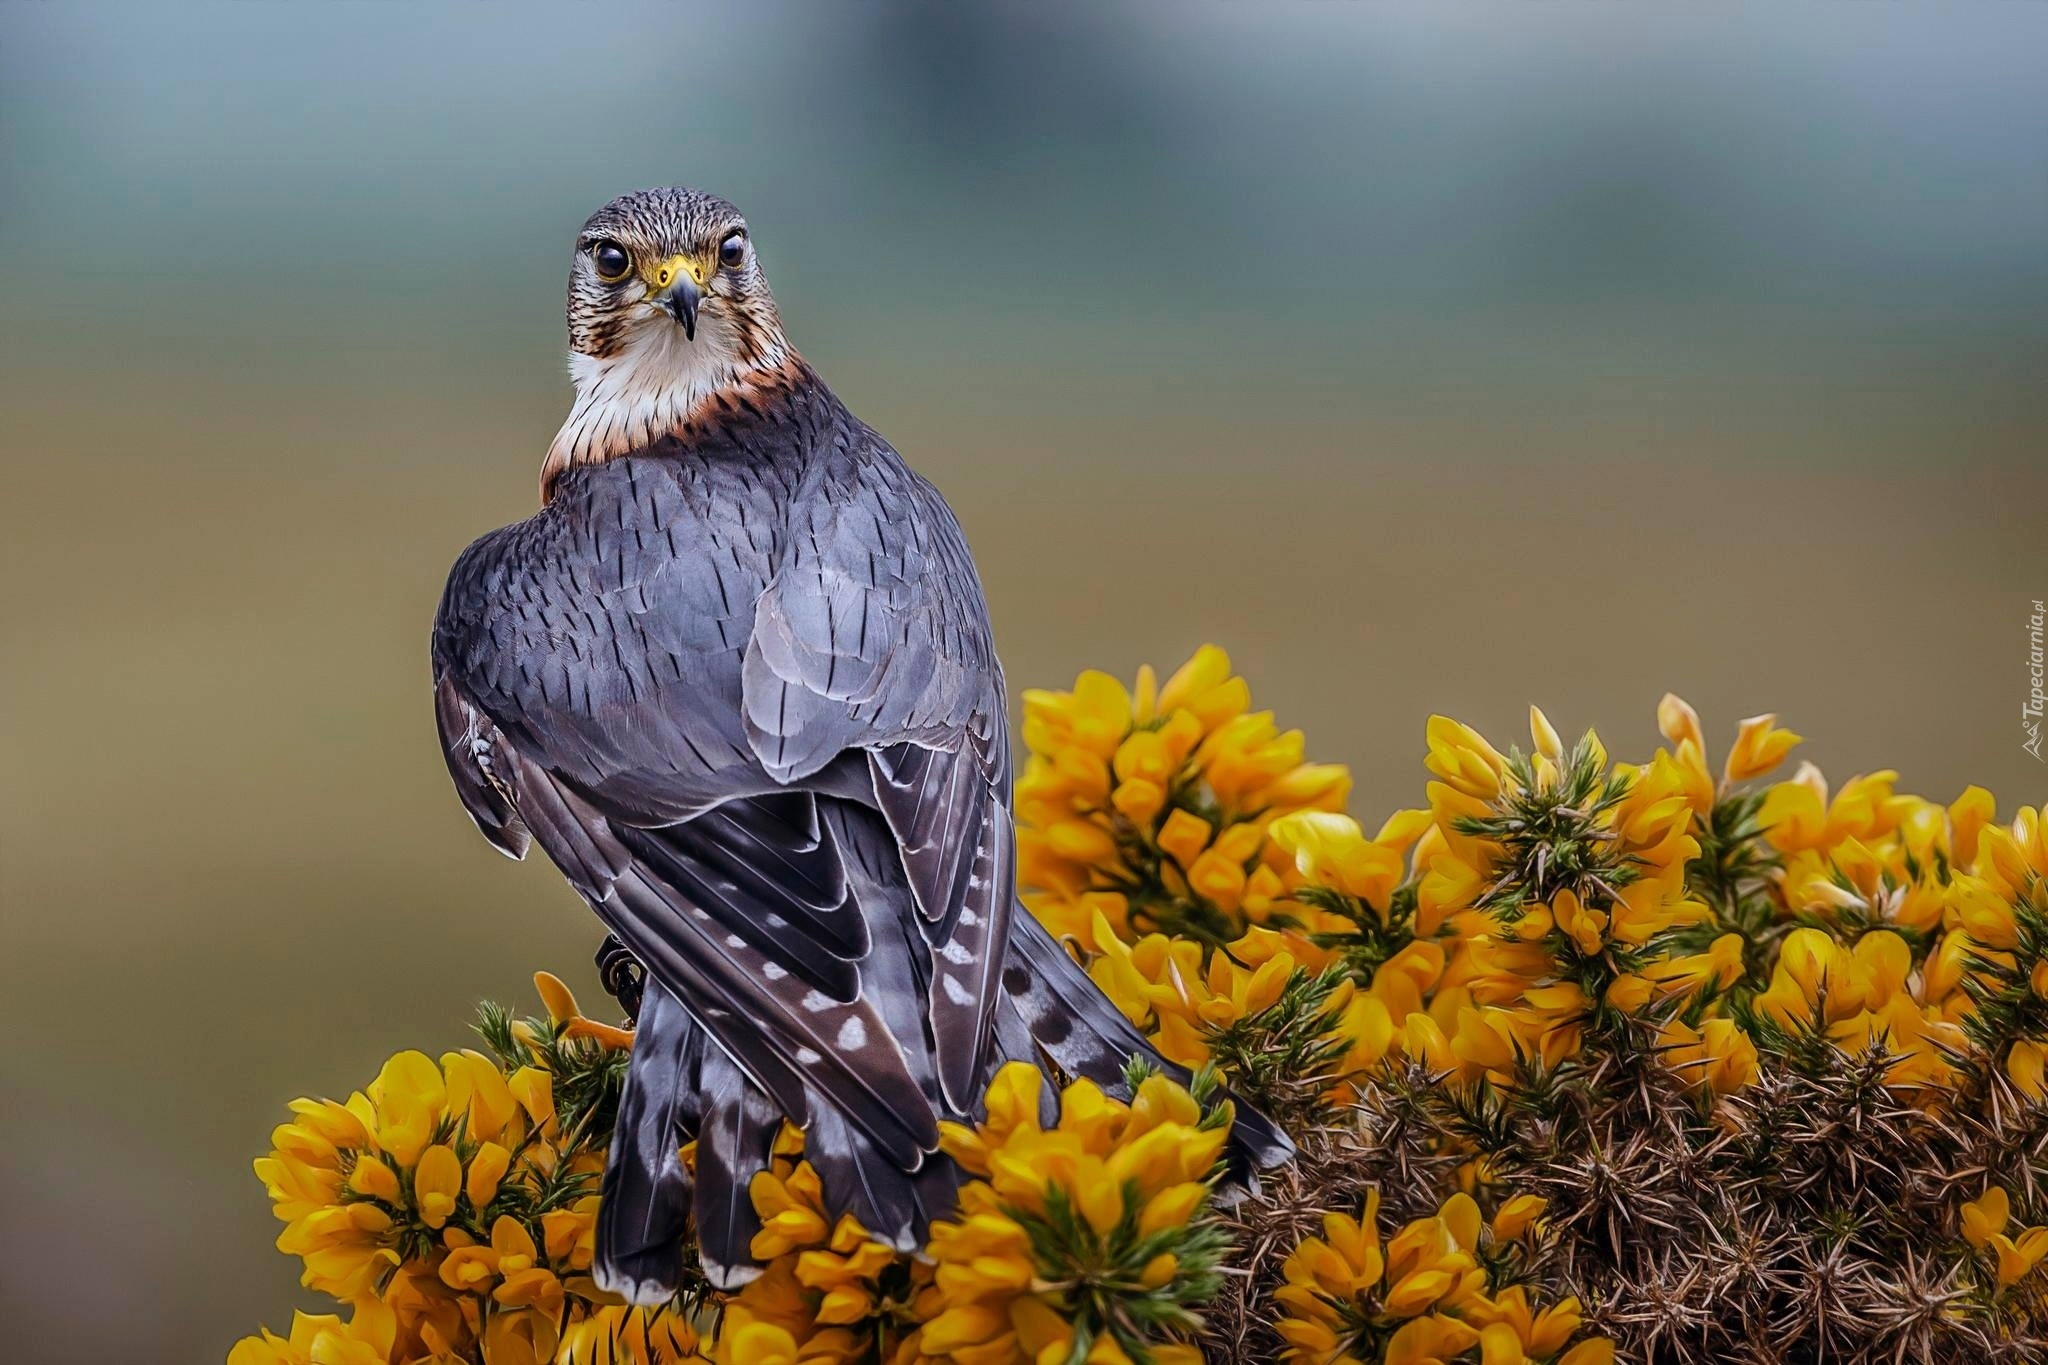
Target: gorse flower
1087	1240
366	1185
1985	1220
1150	804
1425	1295
833	1291
624	1335
455	1202
323	1339
1585	1057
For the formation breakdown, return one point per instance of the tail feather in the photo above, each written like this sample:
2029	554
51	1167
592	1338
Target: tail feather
735	1144
645	1210
894	1205
681	1083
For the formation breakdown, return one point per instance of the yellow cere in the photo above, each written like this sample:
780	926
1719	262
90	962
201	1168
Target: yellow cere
674	268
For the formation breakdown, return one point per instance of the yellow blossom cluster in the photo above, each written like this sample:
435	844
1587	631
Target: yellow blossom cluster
1550	901
323	1339
828	1292
1150	804
1425	1295
1926	926
1539	914
453	1205
1540	893
1084	1241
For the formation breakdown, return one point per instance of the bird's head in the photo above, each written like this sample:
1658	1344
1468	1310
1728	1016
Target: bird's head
668	309
671	271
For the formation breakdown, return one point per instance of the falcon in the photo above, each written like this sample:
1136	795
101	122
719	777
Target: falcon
736	679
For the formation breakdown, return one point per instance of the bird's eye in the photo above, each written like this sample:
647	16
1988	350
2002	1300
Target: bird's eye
611	260
732	252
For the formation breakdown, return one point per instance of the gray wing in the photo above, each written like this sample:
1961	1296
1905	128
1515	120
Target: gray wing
599	671
588	693
873	636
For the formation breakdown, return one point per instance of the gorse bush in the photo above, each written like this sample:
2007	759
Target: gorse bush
1587	1060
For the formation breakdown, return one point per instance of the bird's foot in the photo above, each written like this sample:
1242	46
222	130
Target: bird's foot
622	975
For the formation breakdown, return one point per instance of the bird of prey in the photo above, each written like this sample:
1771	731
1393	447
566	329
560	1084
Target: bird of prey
736	678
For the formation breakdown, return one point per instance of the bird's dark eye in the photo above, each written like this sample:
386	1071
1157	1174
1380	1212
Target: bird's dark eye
611	260
732	252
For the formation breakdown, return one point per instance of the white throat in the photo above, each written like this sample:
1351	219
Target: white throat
657	380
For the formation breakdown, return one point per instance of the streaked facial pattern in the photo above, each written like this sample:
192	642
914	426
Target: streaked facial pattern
668	308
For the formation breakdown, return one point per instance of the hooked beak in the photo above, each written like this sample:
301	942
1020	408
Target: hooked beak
680	303
674	287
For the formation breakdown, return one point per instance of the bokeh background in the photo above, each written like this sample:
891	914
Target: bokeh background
1431	357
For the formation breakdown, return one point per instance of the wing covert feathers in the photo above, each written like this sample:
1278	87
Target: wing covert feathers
956	841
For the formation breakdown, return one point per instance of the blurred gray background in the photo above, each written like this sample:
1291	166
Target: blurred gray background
1429	357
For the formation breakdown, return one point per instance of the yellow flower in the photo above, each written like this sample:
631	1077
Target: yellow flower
1720	966
510	1257
827	1286
1330	850
1583	926
1679	723
1065	1221
570	1234
1967	817
1153	802
2018	1256
1464	760
1424	1296
563	1009
1162	986
323	1339
1516	1215
1324	1277
613	1334
762	1343
347	1231
1861	997
477	1088
1984	1222
345	1247
436	1181
1512	1330
436	1325
408	1100
1759	747
2027	1066
1985	1216
1716	1056
1811	967
1798	813
486	1173
530	1297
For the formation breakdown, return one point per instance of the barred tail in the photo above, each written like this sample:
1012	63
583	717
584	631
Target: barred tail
680	1085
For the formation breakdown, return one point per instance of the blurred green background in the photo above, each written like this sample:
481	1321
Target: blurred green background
1437	357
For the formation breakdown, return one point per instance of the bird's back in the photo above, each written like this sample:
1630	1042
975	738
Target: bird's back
739	684
609	629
